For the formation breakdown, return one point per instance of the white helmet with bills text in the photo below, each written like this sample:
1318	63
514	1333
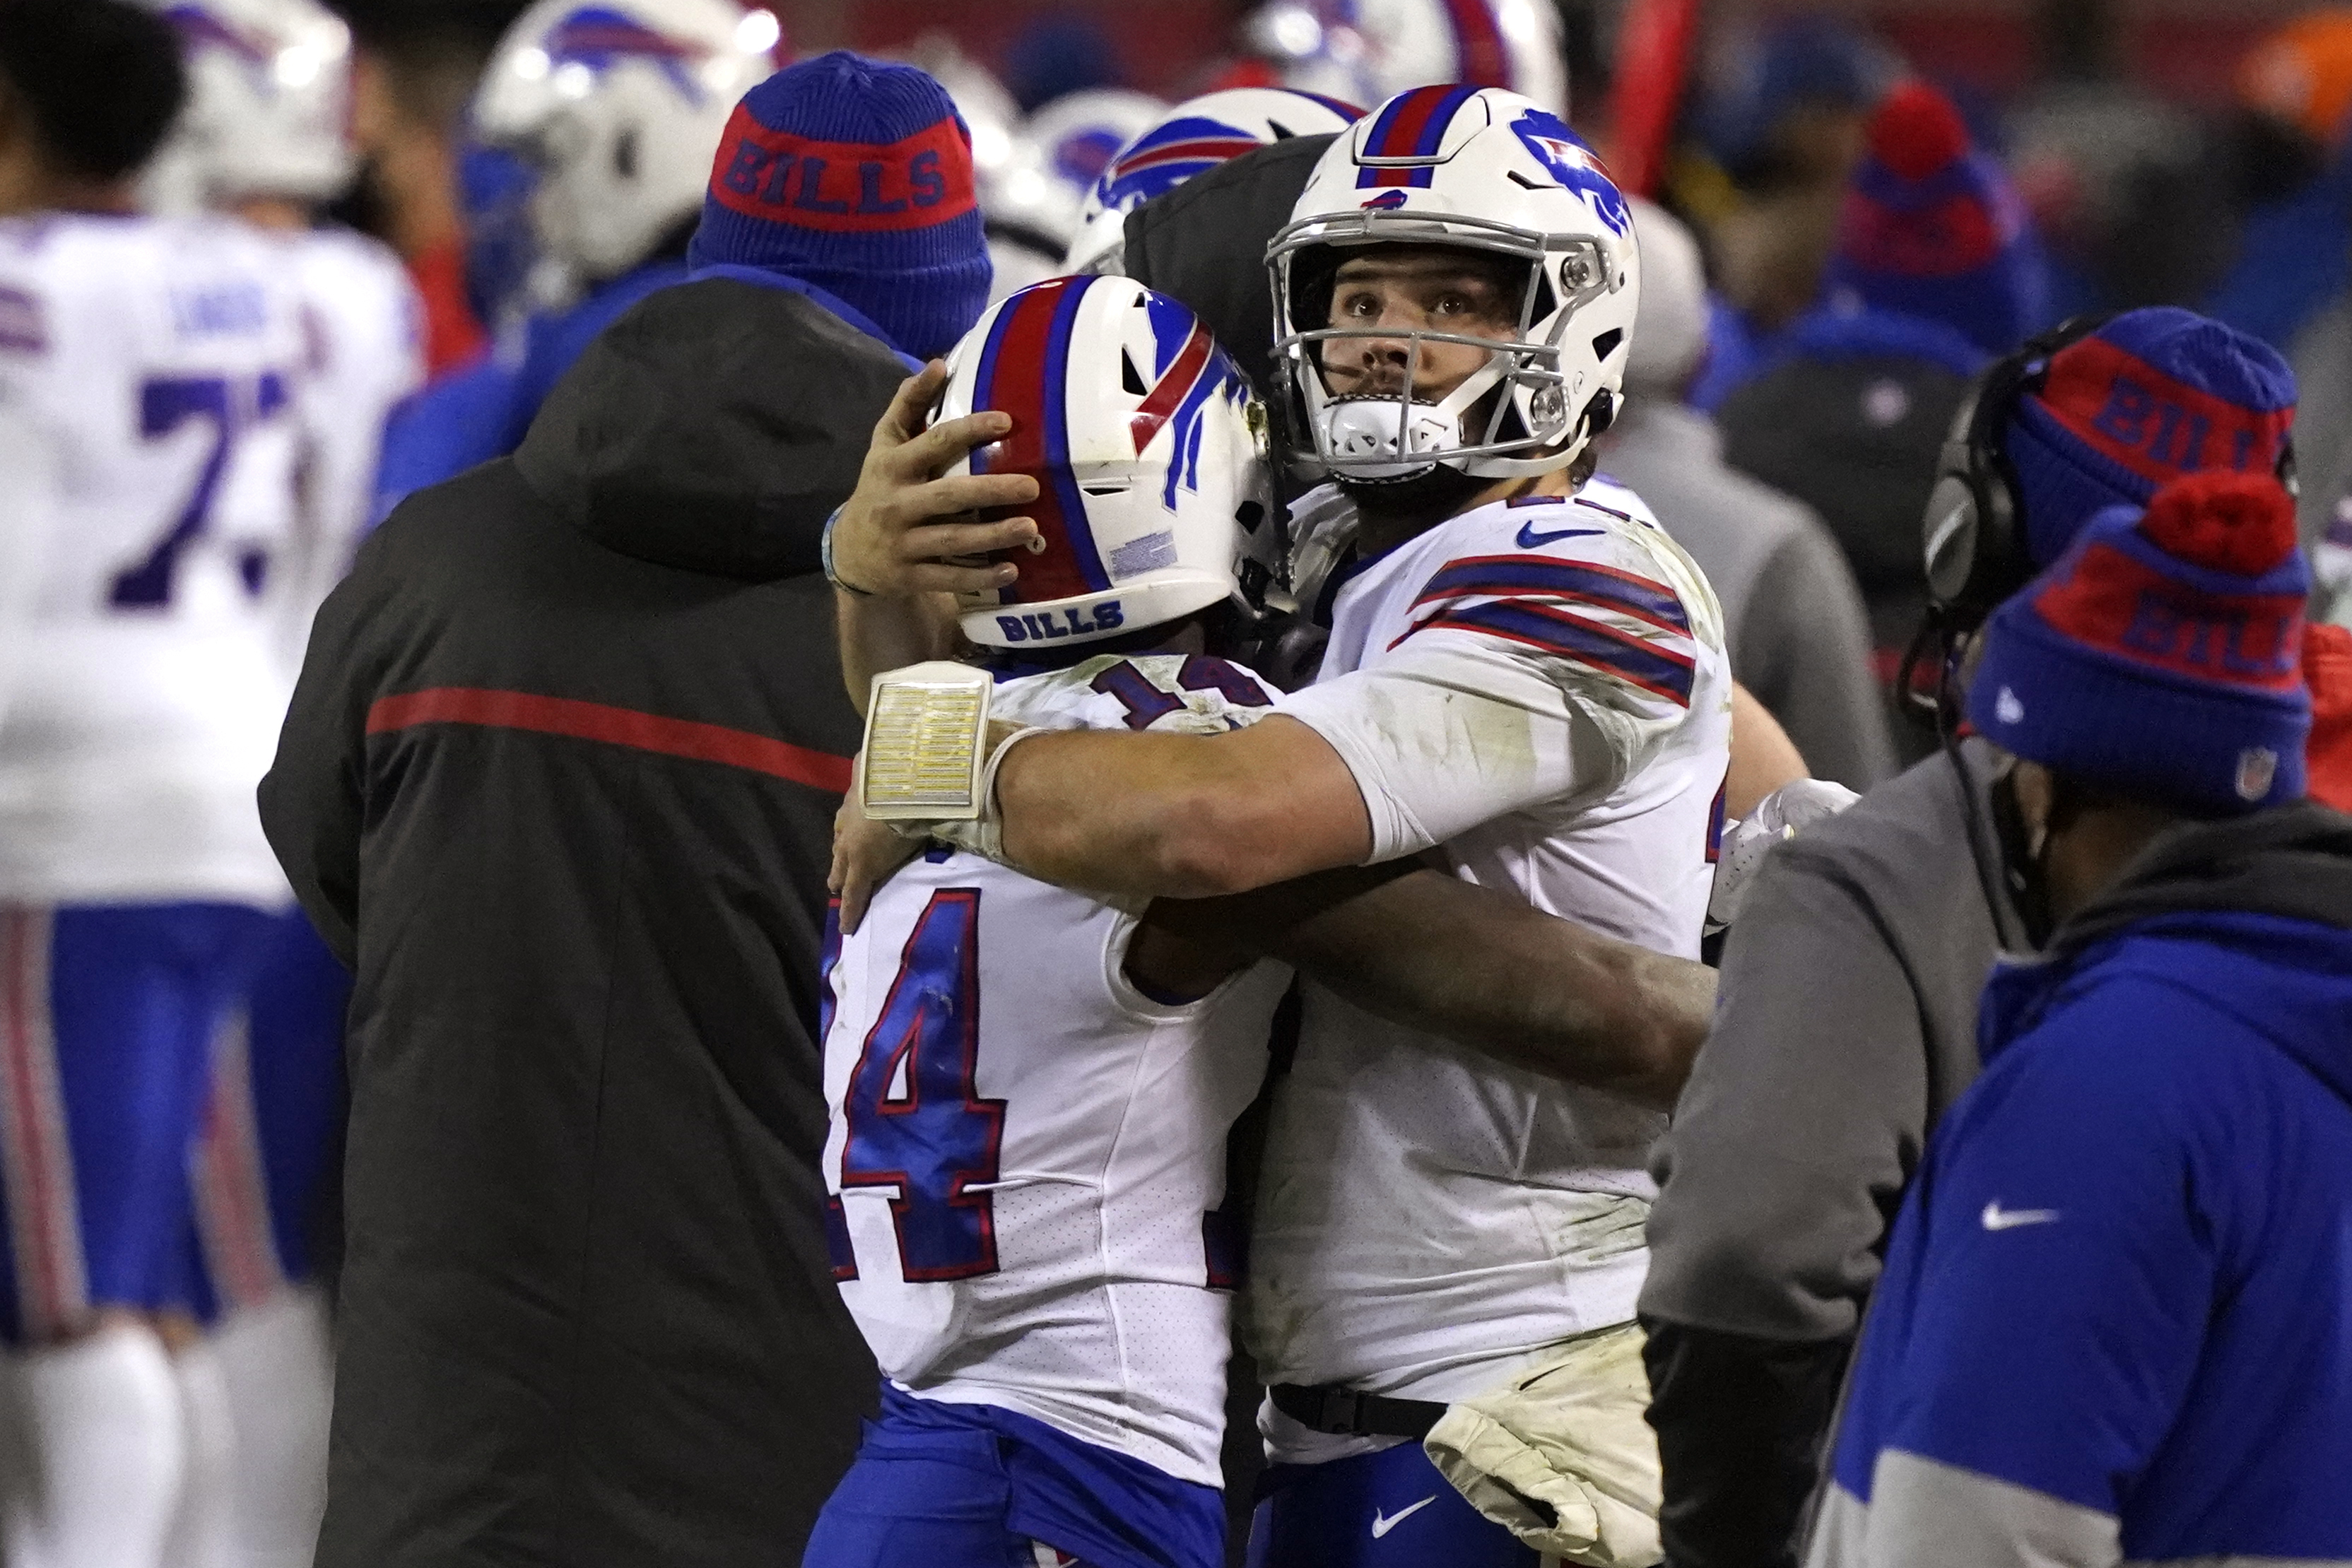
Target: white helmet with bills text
269	106
1149	451
1192	138
1483	170
619	106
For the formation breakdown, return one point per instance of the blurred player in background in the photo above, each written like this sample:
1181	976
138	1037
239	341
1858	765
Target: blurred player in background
1366	51
1188	140
263	139
1030	217
157	365
1030	1095
617	110
1458	290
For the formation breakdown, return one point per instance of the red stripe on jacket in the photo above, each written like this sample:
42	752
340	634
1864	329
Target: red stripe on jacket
615	727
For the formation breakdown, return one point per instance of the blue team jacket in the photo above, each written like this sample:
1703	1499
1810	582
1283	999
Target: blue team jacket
2115	1321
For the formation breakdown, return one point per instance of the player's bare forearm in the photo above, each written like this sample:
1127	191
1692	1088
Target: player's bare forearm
1763	758
1181	816
1479	966
878	635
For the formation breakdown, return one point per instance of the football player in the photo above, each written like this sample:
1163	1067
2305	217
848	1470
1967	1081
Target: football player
617	110
264	139
1524	676
1189	139
1029	1102
155	365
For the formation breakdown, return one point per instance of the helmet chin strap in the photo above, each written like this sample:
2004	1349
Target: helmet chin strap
1429	432
1408	430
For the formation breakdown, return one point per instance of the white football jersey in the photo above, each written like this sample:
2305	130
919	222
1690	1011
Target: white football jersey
1538	690
363	352
157	362
1026	1151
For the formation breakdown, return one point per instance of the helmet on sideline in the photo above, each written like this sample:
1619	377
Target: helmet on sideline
1192	138
1149	451
1076	137
619	106
268	108
1367	51
1482	170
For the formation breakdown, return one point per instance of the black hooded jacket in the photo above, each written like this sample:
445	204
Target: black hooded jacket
558	783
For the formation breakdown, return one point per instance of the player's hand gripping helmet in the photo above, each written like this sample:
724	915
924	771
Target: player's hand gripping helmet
1483	170
268	106
1149	452
1370	50
619	106
1192	138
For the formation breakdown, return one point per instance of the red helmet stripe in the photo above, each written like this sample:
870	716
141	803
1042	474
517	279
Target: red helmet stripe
1024	371
1169	395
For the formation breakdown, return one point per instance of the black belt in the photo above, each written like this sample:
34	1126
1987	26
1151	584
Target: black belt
1343	1412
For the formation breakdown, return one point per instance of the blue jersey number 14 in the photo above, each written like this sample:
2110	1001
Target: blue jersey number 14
915	1121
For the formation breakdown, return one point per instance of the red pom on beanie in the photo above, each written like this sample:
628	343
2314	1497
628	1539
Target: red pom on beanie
2239	523
1916	131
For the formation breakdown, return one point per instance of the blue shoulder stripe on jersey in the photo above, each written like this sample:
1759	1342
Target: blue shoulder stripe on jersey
1637	663
1606	587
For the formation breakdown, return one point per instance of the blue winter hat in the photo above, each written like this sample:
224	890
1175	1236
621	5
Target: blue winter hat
2161	656
1933	229
855	175
2152	395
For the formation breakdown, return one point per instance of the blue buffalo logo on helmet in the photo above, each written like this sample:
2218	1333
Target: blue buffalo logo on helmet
1167	155
1576	166
597	39
1185	145
199	28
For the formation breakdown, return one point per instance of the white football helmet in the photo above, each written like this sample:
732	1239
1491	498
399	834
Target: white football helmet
1488	171
1192	138
619	105
1076	137
1149	451
269	106
1368	51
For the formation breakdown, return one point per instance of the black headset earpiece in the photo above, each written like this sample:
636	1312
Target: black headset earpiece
1973	532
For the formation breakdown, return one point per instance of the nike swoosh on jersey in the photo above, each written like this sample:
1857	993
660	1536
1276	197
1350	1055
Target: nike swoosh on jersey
1530	538
1384	1522
1996	1217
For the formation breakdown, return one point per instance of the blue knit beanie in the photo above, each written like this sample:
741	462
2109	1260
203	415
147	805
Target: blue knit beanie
1934	228
2152	395
855	175
2161	656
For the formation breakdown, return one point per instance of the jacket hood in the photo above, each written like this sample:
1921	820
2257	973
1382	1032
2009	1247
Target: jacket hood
2274	888
712	428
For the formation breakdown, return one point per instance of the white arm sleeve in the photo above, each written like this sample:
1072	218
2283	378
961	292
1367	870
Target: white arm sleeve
1455	728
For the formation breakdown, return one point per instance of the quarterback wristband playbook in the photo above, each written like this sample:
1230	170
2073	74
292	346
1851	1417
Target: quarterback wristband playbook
824	556
928	767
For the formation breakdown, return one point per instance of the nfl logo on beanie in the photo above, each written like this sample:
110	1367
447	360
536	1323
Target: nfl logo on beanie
2162	655
855	175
